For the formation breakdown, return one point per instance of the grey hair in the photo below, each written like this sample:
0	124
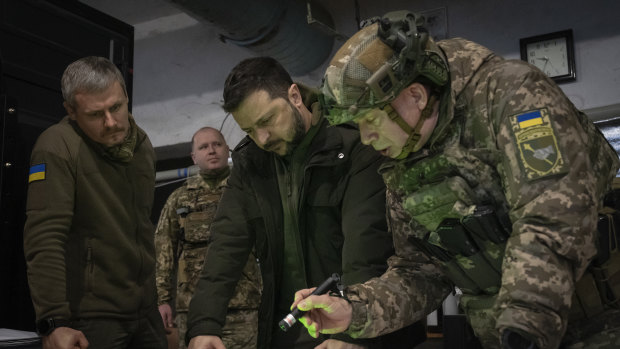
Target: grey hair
89	74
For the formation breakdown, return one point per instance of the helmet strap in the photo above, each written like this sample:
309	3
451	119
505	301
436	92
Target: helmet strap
393	115
414	133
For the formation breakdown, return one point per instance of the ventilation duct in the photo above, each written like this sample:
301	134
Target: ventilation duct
276	28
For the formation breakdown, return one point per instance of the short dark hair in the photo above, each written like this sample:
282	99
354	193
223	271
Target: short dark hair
255	74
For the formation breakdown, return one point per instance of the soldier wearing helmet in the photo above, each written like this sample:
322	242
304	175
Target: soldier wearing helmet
495	189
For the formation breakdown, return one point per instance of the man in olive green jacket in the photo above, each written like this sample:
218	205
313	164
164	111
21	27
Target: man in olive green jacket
88	239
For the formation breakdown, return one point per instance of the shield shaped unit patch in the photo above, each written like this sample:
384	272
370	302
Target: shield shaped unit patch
537	143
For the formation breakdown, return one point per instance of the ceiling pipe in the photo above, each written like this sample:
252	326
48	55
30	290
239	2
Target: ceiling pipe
276	28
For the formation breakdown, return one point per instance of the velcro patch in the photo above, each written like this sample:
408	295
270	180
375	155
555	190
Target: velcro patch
36	173
538	146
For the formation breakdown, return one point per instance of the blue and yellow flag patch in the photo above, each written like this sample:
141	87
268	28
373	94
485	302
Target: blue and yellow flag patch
537	143
37	173
529	119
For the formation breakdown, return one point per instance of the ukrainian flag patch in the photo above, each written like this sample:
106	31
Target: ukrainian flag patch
37	173
529	119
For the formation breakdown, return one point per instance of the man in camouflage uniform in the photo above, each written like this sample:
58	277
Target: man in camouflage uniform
183	236
496	190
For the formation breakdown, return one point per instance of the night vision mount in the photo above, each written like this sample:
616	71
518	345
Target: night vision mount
404	32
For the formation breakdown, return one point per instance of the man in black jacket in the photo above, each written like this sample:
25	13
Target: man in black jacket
307	195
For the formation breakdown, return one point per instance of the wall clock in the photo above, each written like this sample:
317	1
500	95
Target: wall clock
552	53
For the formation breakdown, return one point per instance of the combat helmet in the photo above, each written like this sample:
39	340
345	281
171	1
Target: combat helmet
376	64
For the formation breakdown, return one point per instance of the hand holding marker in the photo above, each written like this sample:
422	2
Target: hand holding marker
332	283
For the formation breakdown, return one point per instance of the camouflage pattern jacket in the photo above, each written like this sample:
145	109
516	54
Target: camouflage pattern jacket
181	240
509	138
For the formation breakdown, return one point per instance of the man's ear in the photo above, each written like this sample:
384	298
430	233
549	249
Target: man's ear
294	95
419	93
69	109
193	157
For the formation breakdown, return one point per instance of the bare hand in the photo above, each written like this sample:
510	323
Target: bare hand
65	338
166	315
206	342
325	314
336	344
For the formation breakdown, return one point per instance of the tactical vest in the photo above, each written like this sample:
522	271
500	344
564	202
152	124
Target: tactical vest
460	220
194	227
195	218
194	230
459	227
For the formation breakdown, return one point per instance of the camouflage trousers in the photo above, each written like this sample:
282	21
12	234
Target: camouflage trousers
240	331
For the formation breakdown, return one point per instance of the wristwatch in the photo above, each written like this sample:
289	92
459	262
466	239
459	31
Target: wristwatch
46	326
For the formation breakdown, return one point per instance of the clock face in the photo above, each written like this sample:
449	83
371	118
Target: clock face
550	56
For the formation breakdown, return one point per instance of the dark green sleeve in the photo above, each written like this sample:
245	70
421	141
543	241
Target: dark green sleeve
367	242
49	212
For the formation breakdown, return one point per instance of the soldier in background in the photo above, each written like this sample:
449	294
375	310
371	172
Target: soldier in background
496	190
181	242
